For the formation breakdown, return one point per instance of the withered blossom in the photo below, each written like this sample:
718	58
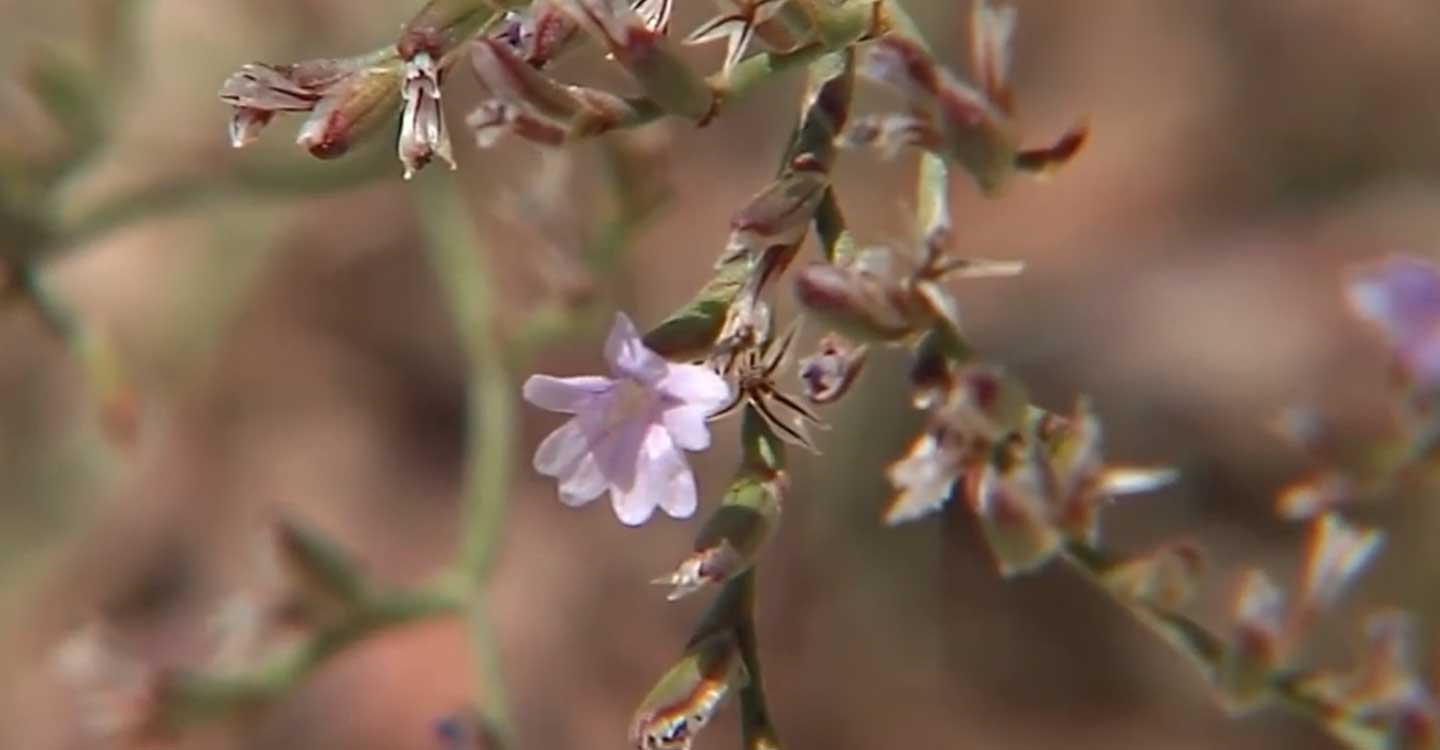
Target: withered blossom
754	370
972	126
349	98
423	136
628	432
981	409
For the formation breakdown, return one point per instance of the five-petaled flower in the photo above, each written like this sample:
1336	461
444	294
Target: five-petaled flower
629	431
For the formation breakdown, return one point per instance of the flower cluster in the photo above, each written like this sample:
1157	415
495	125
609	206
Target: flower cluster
1035	480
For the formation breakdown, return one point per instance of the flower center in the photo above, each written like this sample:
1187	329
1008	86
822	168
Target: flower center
629	402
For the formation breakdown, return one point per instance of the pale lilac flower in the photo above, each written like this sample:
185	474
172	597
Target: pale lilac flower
1402	296
629	431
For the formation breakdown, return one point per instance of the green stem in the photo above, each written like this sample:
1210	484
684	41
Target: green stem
197	698
464	275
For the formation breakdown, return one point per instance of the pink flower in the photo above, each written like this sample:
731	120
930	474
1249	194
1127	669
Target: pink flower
628	431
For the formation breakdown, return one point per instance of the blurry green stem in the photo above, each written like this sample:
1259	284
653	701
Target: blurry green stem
1207	650
196	698
756	730
464	275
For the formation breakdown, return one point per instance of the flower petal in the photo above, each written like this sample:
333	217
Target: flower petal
568	395
662	478
617	453
629	357
686	425
585	482
559	452
693	384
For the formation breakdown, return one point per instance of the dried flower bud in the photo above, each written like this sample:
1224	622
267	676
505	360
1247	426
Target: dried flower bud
780	214
442	25
832	369
1166	578
855	301
647	55
733	536
422	124
355	109
1010	503
1257	645
532	105
350	97
949	117
688	696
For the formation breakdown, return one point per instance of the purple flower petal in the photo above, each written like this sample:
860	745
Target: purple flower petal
568	395
660	464
1402	296
696	385
617	453
629	357
687	428
584	483
561	450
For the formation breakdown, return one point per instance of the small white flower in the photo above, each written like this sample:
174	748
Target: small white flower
629	431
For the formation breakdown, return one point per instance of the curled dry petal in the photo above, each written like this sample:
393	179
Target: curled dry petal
422	123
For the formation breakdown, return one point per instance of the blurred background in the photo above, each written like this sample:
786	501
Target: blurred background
284	347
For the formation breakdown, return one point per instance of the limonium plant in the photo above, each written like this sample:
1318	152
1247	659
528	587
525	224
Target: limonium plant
1035	478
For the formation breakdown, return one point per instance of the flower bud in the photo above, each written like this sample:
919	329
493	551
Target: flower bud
780	214
1257	644
858	304
353	110
687	697
832	369
732	538
1166	578
690	332
350	98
